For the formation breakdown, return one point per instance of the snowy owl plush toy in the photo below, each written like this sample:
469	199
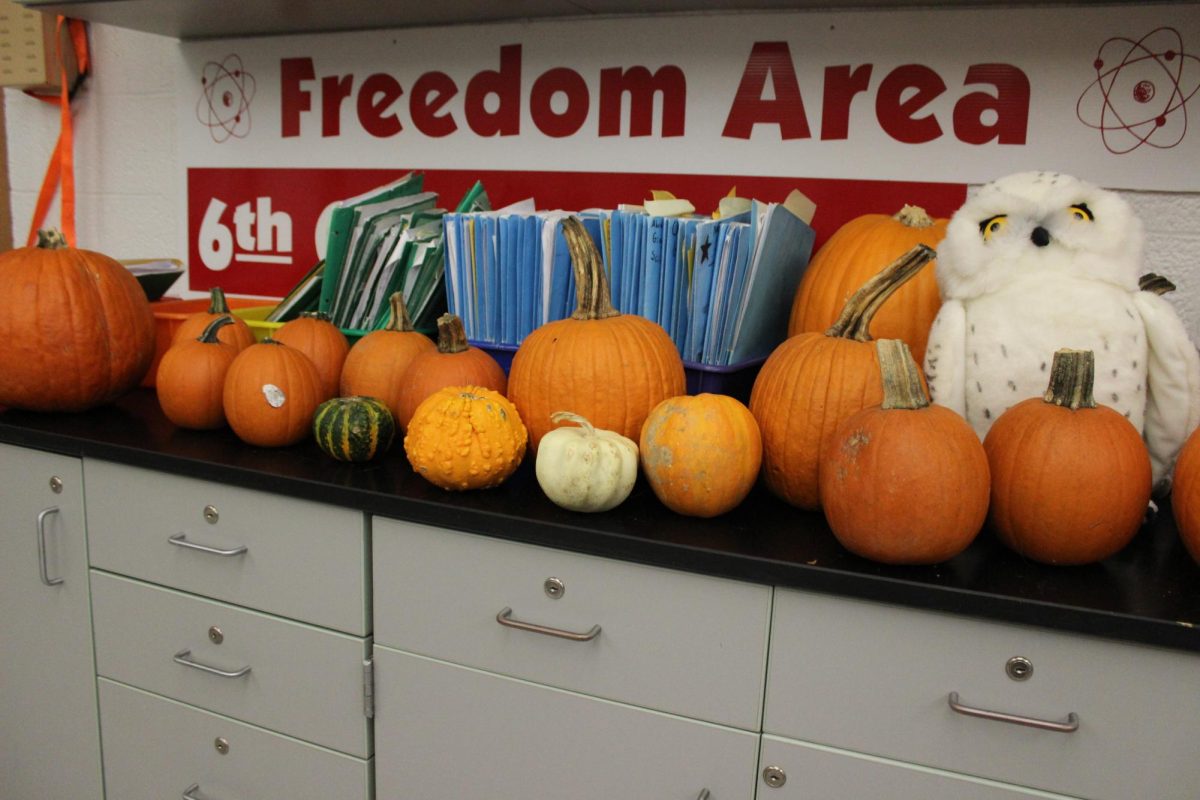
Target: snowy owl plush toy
1039	261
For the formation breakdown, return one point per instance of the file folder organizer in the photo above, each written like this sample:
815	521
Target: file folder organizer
722	289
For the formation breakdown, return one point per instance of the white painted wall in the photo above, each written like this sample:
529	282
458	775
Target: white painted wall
130	185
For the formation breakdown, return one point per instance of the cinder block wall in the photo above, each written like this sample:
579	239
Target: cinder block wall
130	185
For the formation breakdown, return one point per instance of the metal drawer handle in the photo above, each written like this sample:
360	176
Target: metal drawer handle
184	657
1070	726
41	534
192	793
505	618
180	539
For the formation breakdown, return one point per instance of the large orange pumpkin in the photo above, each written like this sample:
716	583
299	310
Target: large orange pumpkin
454	362
271	393
191	378
76	329
377	363
1185	495
237	333
904	482
609	367
701	453
1070	478
813	381
852	255
313	334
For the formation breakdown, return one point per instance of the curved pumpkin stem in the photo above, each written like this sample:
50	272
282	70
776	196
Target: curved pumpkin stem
51	239
913	217
399	320
1072	374
592	296
451	336
559	417
855	320
217	303
902	388
209	336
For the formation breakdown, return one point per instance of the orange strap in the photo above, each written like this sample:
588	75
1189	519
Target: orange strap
62	161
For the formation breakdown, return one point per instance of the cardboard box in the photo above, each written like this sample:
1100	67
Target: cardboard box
28	57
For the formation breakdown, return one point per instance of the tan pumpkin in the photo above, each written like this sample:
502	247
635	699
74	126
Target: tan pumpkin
76	328
237	333
1070	478
700	454
191	378
313	334
813	381
454	362
904	482
465	437
271	392
377	363
851	256
609	367
1185	495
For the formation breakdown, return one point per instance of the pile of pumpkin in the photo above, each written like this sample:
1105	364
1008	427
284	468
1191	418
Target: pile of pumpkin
835	422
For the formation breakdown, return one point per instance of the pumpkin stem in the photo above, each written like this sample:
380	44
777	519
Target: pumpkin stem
1151	282
592	297
399	321
559	417
855	320
913	217
217	304
902	387
1072	374
51	239
209	336
451	336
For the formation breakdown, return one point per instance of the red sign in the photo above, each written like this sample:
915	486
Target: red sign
253	231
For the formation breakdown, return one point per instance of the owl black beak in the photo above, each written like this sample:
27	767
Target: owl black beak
1040	236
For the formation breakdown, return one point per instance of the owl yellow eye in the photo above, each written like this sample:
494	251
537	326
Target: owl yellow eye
1080	211
992	225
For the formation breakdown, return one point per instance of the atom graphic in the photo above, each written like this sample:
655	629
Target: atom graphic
1129	76
224	105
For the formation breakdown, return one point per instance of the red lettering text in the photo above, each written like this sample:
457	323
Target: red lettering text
786	110
642	87
896	107
1010	104
505	85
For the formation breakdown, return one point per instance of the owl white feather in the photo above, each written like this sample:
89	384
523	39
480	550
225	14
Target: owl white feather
1039	261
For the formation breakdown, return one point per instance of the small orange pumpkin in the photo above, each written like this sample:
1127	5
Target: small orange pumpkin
813	381
191	378
271	392
75	327
1070	478
609	367
377	363
453	362
237	334
465	437
1185	495
904	482
700	453
851	255
313	334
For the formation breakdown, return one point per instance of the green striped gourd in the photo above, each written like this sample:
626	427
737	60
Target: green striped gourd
353	428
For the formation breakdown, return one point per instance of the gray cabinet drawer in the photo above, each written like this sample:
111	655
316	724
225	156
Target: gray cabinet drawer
303	560
302	681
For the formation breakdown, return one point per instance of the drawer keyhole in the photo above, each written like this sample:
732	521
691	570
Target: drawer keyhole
210	515
554	588
222	745
56	484
774	777
1019	668
216	635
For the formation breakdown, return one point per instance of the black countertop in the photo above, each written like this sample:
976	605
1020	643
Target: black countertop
1148	593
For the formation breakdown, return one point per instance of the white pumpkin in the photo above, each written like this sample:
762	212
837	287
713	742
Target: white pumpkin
584	469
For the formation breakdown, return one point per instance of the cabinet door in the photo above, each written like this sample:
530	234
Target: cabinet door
445	732
49	735
801	771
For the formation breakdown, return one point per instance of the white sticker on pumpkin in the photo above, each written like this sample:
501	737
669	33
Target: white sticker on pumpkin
275	396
